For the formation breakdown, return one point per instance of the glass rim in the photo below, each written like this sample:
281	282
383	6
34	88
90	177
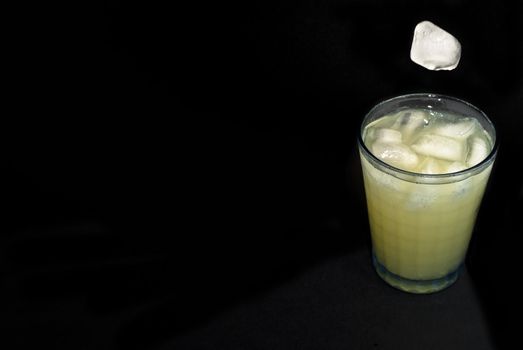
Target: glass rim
458	174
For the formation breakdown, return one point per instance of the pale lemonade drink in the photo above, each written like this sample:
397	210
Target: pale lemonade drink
426	160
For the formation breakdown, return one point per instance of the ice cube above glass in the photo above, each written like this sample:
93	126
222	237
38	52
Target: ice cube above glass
434	48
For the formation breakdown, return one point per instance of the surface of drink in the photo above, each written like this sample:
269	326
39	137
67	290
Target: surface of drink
428	141
425	172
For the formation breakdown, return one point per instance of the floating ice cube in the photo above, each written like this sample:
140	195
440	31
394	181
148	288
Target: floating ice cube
455	167
460	130
430	166
478	151
441	147
410	121
385	135
395	154
434	48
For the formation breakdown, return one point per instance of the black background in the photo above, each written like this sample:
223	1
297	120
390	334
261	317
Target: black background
174	161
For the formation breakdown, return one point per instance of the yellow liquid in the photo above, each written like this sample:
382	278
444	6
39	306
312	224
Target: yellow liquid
421	231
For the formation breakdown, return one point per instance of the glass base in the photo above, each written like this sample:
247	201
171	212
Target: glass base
416	286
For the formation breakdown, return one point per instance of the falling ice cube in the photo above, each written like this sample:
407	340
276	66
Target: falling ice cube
395	154
441	147
434	48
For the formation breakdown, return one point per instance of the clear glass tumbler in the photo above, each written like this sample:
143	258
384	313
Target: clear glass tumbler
421	224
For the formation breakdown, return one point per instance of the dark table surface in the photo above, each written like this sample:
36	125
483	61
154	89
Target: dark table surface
186	176
341	303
